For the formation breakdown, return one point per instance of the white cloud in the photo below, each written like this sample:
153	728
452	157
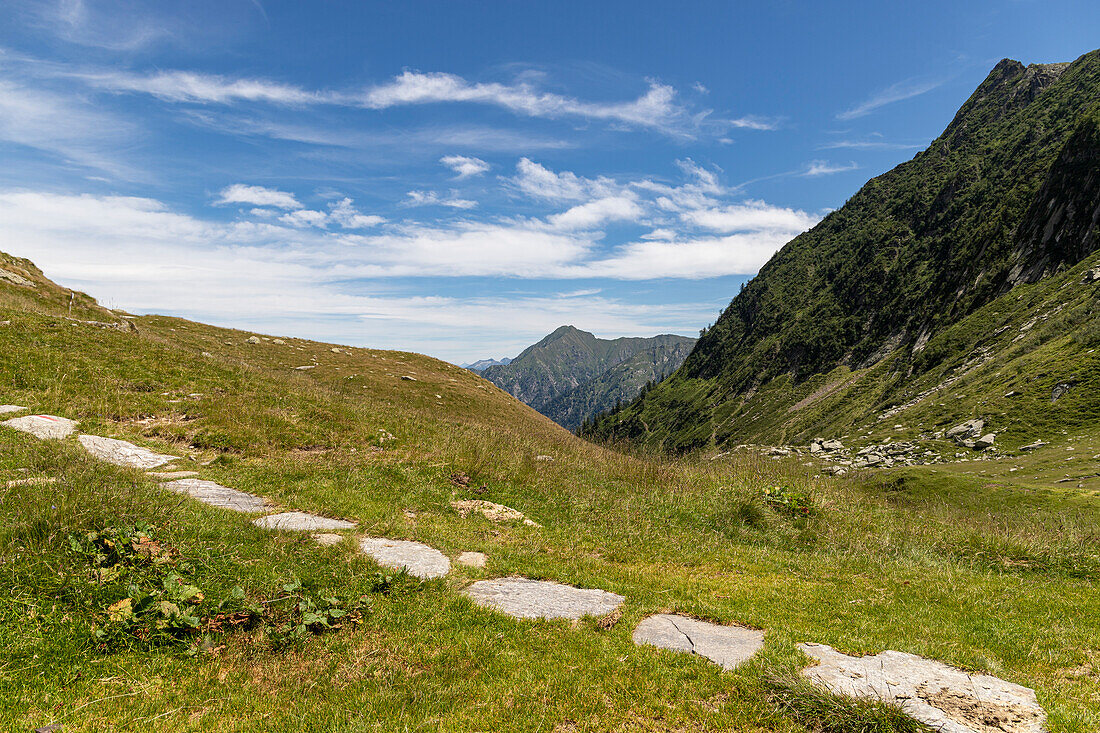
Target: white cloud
346	215
432	198
868	145
241	193
824	168
464	166
538	182
305	218
894	93
188	86
751	216
596	213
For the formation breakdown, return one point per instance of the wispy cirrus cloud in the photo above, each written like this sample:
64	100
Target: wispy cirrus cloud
897	92
824	168
241	193
434	198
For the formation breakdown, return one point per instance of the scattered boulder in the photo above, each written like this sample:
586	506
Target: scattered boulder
122	453
220	496
1033	446
815	448
727	646
986	441
44	427
944	698
968	429
301	522
278	342
831	445
525	598
407	378
305	367
473	559
416	558
492	512
544	458
5	409
1091	275
1059	390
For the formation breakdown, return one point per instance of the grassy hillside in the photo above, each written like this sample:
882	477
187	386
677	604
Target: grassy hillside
951	569
571	375
1004	197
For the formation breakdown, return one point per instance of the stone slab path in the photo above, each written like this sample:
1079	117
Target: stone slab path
525	598
727	646
169	475
44	427
944	698
122	453
220	496
472	559
5	409
416	558
301	522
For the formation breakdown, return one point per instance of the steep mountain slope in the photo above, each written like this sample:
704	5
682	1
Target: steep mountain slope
1007	195
545	374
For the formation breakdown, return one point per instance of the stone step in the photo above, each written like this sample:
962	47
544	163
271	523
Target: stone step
416	558
727	646
43	427
301	522
526	598
122	453
220	496
946	699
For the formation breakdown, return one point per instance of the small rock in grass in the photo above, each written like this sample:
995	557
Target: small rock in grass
727	646
986	441
301	522
44	427
416	558
4	409
525	598
328	538
491	511
122	453
278	342
252	340
407	378
472	559
946	699
33	481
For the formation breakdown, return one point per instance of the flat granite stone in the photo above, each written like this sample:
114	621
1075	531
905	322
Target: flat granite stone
328	538
416	558
491	511
472	559
121	453
301	522
727	646
173	474
944	698
44	427
526	598
220	496
5	409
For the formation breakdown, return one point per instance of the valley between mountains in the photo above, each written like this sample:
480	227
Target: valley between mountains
866	499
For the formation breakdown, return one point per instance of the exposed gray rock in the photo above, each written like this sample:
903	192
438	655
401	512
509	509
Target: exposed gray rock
31	481
5	409
727	646
968	429
15	278
278	342
1091	275
472	559
122	453
525	598
220	496
1033	446
328	538
416	558
831	445
1059	390
815	448
301	522
169	475
44	427
252	340
986	441
942	697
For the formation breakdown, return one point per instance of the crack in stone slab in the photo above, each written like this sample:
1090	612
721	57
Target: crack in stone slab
220	496
301	522
727	646
526	598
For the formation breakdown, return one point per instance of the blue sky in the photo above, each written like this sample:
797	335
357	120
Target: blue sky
460	178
